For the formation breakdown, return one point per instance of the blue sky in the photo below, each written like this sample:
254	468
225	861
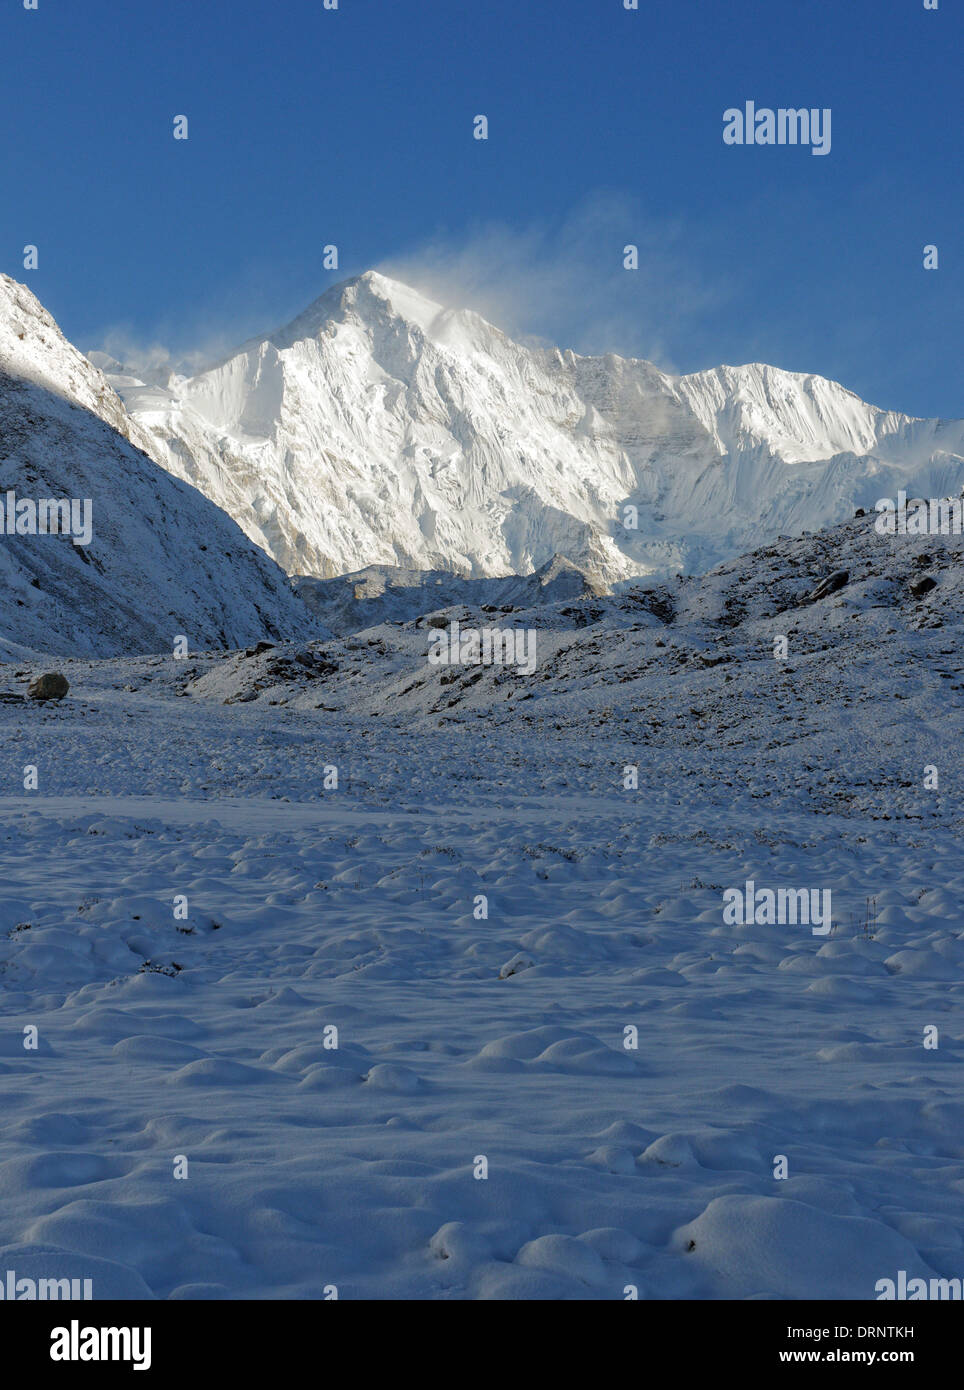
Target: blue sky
354	127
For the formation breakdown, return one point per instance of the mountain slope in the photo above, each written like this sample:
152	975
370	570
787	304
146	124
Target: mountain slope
162	559
379	594
381	429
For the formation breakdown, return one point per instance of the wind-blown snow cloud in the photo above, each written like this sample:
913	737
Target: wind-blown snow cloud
564	282
558	282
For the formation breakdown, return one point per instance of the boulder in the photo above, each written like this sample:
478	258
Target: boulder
52	686
830	585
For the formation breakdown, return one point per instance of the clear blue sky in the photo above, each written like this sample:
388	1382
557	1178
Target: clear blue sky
354	127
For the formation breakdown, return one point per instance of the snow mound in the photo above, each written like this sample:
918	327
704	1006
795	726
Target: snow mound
772	1247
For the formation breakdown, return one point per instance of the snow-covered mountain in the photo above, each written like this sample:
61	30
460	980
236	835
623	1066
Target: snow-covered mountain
380	428
161	559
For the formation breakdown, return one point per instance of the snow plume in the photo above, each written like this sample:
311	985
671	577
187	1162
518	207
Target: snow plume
565	282
121	351
243	306
145	360
560	282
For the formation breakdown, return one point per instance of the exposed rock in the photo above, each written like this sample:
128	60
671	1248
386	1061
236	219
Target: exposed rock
830	585
52	686
516	965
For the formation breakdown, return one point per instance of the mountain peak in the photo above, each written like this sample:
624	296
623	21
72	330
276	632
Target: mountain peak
402	300
367	297
381	428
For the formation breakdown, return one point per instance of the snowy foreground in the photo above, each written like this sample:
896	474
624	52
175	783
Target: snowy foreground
310	1166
